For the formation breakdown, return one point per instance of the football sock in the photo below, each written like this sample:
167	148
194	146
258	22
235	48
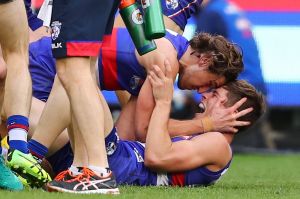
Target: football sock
3	151
18	126
75	170
37	149
100	171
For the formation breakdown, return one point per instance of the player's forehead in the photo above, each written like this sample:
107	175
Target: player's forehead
221	91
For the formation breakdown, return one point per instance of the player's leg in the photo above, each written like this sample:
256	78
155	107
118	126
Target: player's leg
14	40
16	101
75	75
2	81
54	119
45	143
74	72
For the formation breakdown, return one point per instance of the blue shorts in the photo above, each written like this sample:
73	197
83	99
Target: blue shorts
78	26
125	159
41	68
62	159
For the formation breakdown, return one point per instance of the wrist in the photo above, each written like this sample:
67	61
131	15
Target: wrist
207	124
163	102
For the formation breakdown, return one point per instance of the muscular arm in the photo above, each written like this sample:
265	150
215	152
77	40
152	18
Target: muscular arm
213	119
145	102
123	97
163	155
184	127
124	124
144	108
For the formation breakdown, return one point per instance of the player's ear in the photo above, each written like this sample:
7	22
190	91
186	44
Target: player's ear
204	60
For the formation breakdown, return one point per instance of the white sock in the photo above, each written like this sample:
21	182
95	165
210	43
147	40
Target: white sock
100	171
74	170
4	152
17	134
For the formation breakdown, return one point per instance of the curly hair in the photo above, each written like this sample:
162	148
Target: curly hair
226	57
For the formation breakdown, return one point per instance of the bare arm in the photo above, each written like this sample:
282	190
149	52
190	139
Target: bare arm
184	127
220	120
124	124
145	102
123	97
206	149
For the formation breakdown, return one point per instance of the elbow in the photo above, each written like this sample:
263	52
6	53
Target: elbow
152	161
141	132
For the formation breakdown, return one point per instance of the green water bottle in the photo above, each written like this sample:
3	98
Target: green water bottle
154	23
133	20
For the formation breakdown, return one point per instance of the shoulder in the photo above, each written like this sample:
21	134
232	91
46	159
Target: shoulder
216	146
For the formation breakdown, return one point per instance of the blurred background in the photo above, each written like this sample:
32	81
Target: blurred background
268	32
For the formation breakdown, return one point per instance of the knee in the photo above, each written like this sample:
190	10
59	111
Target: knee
72	73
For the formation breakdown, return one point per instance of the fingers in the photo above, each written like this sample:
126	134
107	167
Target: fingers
158	75
242	123
231	130
243	112
154	76
152	82
238	104
158	72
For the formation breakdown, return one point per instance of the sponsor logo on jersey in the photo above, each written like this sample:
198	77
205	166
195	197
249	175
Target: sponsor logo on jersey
172	4
138	156
111	148
135	82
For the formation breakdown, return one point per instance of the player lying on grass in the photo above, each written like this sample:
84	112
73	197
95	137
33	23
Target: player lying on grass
39	57
42	68
200	159
121	68
119	58
206	62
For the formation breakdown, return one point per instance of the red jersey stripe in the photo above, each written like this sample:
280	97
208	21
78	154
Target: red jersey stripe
178	179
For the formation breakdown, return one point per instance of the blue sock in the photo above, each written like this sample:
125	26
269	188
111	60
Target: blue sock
37	149
18	126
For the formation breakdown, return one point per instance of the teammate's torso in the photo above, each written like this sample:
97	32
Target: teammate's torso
127	162
195	177
118	66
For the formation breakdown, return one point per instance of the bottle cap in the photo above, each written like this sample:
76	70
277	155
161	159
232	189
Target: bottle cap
126	3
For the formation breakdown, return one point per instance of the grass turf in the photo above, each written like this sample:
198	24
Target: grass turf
250	176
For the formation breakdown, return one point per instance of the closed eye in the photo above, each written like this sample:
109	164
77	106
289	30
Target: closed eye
195	54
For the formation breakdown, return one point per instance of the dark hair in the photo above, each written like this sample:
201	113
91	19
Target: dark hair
239	89
226	56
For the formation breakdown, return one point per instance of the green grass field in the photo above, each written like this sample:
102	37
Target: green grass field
250	176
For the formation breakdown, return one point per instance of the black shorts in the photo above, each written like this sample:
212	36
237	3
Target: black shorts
78	26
